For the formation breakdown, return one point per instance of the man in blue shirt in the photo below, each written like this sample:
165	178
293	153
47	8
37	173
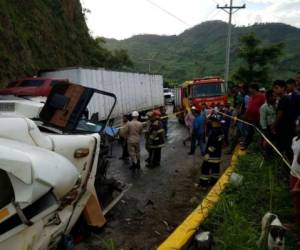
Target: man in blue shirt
198	133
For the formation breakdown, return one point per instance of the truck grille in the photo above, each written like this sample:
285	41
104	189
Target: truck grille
7	107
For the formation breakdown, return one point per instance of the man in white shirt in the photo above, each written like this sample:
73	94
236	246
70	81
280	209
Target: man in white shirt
295	173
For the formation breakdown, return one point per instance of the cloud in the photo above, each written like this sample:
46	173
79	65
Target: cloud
121	19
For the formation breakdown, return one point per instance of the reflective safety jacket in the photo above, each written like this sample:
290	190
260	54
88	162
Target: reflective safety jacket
156	135
214	145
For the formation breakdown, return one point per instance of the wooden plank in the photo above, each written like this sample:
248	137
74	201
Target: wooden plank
116	200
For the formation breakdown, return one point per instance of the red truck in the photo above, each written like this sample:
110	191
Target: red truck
209	90
34	86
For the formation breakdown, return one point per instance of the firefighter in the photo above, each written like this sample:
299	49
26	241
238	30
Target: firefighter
156	138
211	165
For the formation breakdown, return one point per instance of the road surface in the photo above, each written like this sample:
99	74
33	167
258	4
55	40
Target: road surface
158	200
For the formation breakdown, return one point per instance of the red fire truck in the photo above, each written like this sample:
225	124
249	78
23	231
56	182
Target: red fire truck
209	90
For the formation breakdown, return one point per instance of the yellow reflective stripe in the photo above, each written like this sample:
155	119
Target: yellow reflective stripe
182	234
213	161
204	177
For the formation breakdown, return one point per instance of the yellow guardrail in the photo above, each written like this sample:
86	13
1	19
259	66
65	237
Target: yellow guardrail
183	233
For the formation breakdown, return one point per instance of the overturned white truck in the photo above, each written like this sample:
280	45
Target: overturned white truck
47	169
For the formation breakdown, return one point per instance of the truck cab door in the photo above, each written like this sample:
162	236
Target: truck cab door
65	106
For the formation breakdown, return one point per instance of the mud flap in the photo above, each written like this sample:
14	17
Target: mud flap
93	213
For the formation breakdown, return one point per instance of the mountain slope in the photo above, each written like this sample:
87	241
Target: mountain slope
39	34
200	50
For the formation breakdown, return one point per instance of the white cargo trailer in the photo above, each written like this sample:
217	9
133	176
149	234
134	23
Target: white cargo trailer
134	91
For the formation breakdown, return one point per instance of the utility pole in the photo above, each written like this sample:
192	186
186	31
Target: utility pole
230	10
149	64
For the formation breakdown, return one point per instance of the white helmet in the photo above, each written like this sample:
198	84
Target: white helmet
135	114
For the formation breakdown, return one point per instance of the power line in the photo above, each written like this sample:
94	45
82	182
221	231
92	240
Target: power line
230	10
208	15
215	14
168	12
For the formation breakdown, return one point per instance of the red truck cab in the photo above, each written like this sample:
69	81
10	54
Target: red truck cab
207	90
34	86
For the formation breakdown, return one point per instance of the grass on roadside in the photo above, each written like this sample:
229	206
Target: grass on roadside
108	245
236	220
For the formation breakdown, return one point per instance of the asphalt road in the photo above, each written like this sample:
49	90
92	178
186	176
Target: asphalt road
159	199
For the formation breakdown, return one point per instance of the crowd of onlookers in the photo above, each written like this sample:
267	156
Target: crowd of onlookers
276	111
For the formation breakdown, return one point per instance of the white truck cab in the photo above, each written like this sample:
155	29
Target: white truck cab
168	96
46	178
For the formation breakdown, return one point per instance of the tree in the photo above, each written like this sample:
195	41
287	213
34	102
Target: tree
116	59
120	59
258	59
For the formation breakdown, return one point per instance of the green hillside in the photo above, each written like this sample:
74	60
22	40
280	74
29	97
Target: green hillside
41	34
200	50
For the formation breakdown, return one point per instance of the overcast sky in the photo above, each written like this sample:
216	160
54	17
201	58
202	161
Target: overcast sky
124	18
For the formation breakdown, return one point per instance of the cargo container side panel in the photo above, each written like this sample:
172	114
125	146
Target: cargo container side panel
120	95
94	80
139	92
115	85
84	80
111	78
130	98
110	88
73	75
153	91
147	93
133	92
99	98
125	88
116	91
126	91
159	90
129	93
123	92
106	87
